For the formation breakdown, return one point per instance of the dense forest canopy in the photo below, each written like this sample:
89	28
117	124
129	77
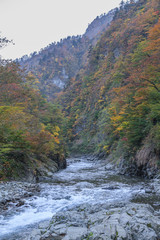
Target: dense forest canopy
101	94
113	103
29	126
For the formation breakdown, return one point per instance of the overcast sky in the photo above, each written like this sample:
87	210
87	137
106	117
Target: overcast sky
33	24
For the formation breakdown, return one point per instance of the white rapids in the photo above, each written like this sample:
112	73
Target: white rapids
83	181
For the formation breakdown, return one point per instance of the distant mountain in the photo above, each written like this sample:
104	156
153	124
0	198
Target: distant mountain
54	65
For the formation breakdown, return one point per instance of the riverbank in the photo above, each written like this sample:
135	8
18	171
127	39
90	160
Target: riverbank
20	166
87	200
132	221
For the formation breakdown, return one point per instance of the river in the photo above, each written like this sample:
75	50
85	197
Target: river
83	181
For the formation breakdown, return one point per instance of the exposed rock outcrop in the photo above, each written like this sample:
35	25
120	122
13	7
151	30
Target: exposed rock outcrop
32	168
134	221
99	25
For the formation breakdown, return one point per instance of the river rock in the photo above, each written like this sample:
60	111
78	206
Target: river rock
35	234
148	190
15	192
46	169
111	188
133	221
43	225
20	203
75	233
156	185
99	218
84	185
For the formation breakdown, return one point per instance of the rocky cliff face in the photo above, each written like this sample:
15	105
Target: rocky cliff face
31	168
99	25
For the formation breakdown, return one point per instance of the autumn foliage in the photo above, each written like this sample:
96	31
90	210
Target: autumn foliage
28	124
113	104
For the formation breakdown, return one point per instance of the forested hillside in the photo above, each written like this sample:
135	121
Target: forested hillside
31	139
107	83
113	104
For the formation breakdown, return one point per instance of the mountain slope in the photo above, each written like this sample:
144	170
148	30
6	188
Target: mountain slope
31	130
113	105
111	97
59	62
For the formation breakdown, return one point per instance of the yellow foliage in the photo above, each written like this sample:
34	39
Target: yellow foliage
106	148
116	118
77	116
120	128
43	126
100	100
56	140
57	129
56	134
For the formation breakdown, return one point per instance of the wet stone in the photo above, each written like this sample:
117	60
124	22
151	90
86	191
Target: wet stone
43	225
85	201
20	203
75	232
148	191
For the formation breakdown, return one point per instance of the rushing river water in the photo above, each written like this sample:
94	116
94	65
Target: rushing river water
83	181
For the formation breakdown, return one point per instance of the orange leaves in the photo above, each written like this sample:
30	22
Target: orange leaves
154	38
154	33
14	117
116	119
26	119
43	142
